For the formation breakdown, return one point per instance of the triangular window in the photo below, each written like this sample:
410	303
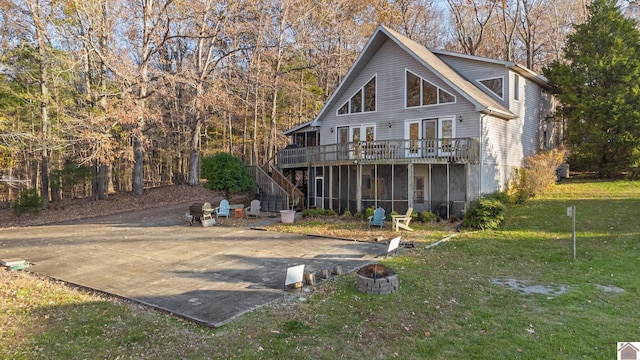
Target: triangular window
364	100
495	85
421	92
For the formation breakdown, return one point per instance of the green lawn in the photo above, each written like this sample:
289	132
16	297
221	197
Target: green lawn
452	301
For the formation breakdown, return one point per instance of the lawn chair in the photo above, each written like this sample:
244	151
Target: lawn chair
253	210
223	209
377	219
402	221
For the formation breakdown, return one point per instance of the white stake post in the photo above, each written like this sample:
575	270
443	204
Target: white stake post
571	211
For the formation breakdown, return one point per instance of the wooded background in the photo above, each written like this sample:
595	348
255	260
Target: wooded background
112	95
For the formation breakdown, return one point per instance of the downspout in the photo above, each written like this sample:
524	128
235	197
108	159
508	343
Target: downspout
482	116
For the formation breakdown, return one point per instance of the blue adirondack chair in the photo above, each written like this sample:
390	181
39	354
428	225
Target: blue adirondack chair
377	219
223	209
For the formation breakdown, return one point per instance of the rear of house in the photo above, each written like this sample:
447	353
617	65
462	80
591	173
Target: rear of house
410	127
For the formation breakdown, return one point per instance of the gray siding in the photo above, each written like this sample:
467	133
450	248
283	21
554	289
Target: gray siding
504	143
475	70
390	63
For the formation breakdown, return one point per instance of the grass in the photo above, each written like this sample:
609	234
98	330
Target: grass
447	305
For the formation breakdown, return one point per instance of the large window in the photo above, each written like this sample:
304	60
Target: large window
364	100
421	92
495	85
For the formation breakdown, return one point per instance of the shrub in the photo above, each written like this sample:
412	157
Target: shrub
501	196
357	215
537	174
226	173
331	212
427	216
484	213
369	211
28	201
346	213
390	216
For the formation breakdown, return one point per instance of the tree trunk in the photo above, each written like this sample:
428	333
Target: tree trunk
40	29
138	166
194	155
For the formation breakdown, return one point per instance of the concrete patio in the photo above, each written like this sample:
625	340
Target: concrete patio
207	274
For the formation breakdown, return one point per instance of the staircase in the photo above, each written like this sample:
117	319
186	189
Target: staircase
276	191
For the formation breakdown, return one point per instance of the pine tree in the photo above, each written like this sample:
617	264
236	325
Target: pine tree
599	85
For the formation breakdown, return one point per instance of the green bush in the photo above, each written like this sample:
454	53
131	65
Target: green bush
226	173
484	213
331	212
427	216
357	215
390	216
346	213
317	212
501	196
369	211
28	201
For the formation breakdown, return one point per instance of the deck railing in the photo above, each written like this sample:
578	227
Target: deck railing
458	150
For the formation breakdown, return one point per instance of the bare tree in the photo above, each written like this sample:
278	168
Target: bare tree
471	19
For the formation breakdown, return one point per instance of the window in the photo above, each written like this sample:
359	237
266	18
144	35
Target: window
429	94
421	92
495	85
364	100
369	133
516	87
413	90
370	95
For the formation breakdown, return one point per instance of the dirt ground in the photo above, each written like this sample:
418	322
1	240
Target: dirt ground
76	209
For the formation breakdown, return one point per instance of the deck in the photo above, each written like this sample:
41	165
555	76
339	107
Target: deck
430	151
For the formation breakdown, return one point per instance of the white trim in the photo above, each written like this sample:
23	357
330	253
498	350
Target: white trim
420	121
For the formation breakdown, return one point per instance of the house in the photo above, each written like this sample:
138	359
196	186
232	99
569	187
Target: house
413	127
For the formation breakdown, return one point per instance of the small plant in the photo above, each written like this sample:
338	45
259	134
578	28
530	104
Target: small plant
427	216
28	201
369	211
347	213
357	215
331	212
391	215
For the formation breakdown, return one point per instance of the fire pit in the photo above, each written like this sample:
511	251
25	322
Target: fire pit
377	279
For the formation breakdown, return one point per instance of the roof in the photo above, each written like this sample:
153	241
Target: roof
297	128
521	70
482	101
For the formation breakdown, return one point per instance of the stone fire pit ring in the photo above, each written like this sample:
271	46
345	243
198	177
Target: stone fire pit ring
377	279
